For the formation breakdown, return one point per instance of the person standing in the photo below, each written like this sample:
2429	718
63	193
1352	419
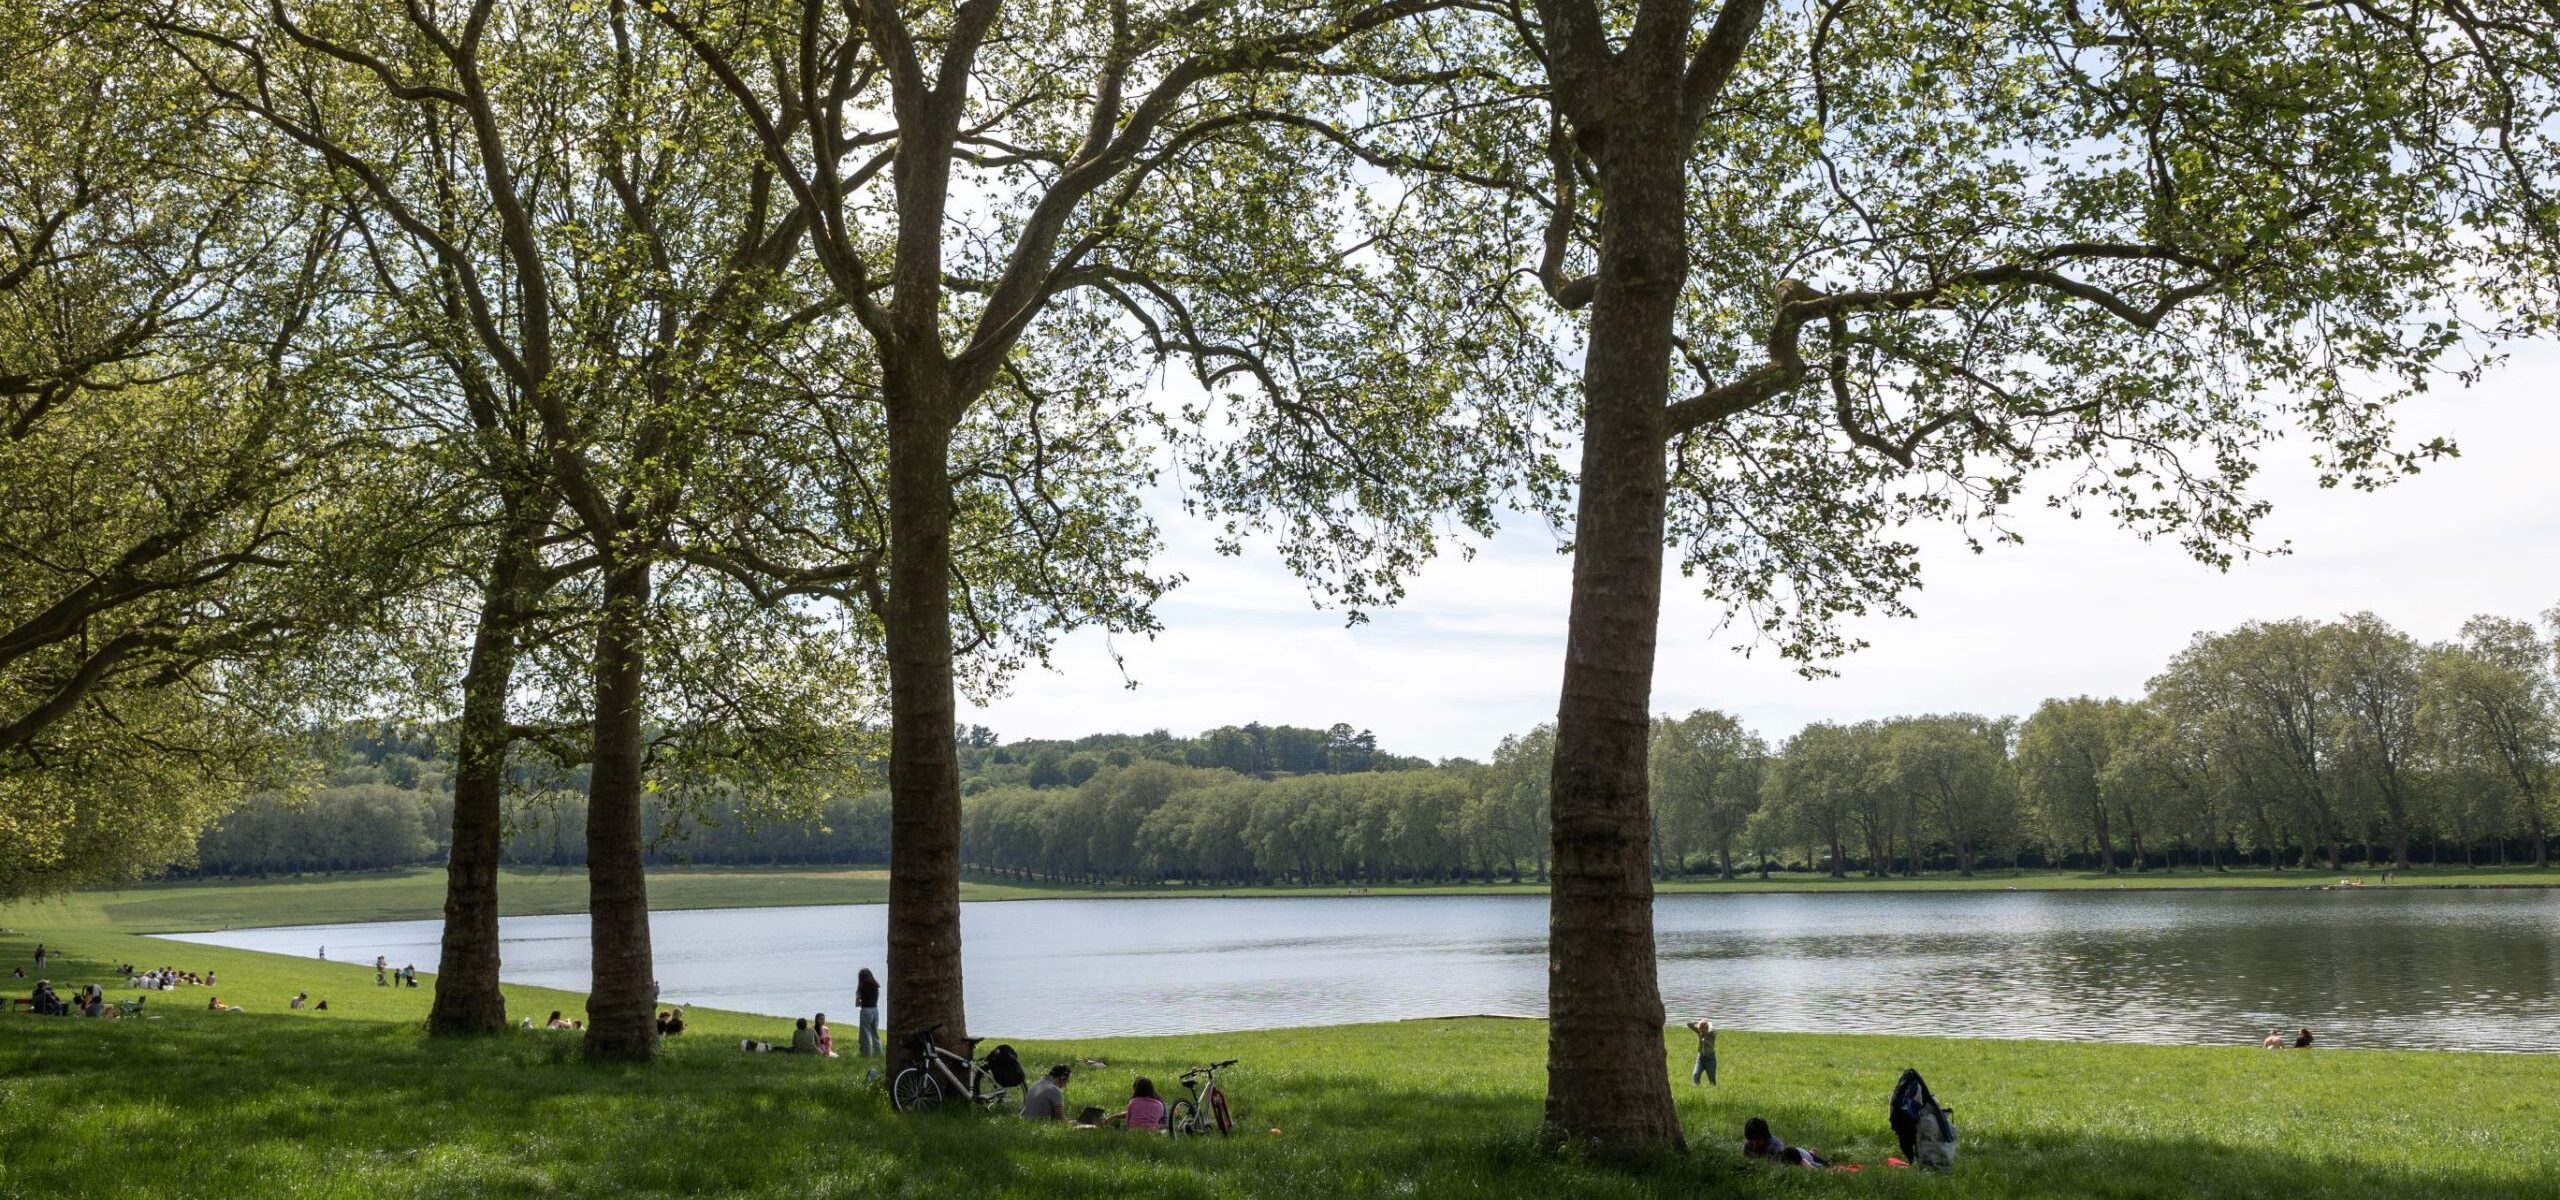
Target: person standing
1706	1066
40	956
866	1007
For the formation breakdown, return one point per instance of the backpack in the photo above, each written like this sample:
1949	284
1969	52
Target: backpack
1006	1066
1928	1138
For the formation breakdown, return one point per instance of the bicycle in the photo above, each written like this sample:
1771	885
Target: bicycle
940	1074
1186	1115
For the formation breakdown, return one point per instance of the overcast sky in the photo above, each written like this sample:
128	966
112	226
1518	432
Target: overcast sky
1476	650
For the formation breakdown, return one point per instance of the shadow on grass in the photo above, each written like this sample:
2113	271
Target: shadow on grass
270	1104
264	1105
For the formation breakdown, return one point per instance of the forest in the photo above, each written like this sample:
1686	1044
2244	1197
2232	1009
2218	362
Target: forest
2280	744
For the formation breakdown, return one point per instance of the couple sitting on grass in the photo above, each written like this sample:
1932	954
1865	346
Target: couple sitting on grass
1046	1100
805	1039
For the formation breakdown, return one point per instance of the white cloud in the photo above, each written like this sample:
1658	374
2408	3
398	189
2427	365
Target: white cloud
1475	651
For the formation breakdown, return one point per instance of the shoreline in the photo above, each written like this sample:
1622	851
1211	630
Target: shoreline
411	894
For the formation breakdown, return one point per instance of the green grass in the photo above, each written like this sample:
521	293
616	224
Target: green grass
356	1102
418	893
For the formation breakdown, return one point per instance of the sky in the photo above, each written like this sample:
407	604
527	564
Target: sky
1476	649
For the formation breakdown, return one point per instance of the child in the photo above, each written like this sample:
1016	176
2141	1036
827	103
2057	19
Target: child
1758	1142
1706	1065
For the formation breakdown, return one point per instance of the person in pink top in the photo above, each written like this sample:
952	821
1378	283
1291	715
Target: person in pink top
1145	1112
826	1038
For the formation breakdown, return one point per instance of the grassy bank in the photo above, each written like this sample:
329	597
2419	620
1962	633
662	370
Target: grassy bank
418	893
356	1103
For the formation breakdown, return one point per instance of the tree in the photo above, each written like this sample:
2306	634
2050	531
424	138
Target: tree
1707	769
2373	672
2063	754
1958	766
604	261
2492	700
1134	217
1819	783
1904	256
190	504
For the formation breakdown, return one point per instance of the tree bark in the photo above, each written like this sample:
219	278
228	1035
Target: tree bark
467	999
1606	1082
621	1002
924	758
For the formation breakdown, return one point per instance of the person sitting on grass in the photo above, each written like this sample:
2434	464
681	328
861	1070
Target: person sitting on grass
216	1005
1758	1142
2275	1040
1145	1113
299	998
1046	1098
826	1038
557	1021
2303	1042
804	1040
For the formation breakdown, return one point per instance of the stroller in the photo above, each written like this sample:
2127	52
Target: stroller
1920	1123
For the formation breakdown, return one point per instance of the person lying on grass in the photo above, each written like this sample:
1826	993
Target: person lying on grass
216	1005
1758	1142
557	1021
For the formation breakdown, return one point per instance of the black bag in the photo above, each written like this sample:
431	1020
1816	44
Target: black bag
1006	1066
1928	1138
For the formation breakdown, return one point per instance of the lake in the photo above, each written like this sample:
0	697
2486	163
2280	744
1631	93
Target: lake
2427	969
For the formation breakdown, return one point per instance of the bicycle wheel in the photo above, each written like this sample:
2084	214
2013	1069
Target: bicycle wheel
1181	1118
1226	1120
914	1091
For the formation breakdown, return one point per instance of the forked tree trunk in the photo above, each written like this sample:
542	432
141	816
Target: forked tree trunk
467	999
1606	1078
621	1001
924	755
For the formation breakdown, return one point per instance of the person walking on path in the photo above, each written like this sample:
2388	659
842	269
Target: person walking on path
866	1006
1706	1066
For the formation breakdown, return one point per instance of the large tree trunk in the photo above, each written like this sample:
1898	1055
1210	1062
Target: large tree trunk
1606	1081
467	998
621	1001
924	755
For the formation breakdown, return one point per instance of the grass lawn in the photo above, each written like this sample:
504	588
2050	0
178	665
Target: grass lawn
418	893
356	1102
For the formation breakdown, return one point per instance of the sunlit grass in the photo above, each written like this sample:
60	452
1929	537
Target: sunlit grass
356	1102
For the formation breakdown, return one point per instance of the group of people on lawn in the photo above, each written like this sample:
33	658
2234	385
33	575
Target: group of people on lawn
1046	1100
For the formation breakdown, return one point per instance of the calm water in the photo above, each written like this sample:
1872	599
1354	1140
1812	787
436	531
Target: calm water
2462	970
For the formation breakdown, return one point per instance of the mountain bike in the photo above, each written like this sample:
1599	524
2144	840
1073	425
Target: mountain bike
1206	1109
942	1075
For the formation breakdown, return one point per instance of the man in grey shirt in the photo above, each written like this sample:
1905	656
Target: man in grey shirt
1046	1098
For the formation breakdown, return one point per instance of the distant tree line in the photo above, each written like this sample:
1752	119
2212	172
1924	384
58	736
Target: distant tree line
383	797
2285	744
